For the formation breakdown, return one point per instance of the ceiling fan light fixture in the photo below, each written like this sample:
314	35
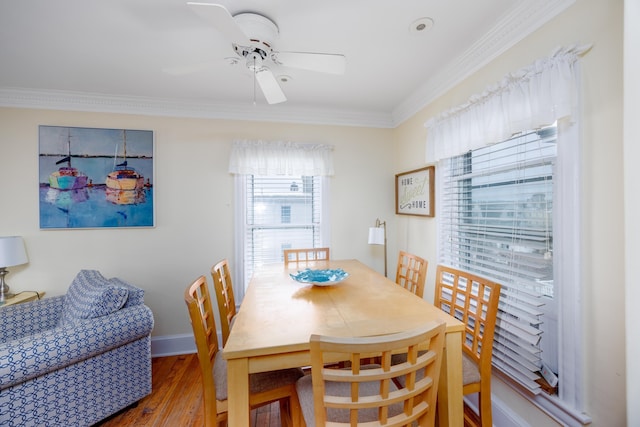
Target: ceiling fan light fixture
254	61
421	26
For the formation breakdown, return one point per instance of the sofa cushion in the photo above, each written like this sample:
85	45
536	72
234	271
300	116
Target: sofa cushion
91	295
136	295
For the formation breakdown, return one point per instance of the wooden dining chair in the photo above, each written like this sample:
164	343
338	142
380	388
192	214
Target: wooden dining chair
368	393
474	301
305	255
223	286
264	388
411	272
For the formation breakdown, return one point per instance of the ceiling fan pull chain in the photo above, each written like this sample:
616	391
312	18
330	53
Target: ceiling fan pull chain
254	81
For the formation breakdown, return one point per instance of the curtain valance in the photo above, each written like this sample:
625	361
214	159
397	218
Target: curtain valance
281	158
530	98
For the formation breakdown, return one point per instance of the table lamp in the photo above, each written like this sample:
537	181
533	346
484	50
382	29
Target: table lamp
12	252
378	236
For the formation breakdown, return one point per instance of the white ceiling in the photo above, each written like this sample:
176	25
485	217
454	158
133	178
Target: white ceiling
112	55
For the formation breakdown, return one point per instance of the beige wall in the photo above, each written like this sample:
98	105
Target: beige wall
599	23
194	204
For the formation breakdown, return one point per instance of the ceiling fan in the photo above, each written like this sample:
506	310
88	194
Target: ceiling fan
251	36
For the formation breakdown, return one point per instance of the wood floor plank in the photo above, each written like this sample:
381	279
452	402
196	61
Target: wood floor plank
177	400
167	381
183	411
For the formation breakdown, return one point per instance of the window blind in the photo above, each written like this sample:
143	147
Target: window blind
496	221
281	212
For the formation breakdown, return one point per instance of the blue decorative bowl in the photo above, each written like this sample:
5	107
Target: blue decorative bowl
325	277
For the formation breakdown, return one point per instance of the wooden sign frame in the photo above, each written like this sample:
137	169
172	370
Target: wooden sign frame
415	192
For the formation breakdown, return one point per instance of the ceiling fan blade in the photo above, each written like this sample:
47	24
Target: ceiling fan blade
220	17
270	87
321	62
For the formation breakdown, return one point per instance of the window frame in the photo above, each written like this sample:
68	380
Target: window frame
568	406
240	226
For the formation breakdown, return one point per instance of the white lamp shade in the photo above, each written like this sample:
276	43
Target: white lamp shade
376	235
12	251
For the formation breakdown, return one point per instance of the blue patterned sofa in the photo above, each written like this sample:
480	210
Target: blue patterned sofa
75	359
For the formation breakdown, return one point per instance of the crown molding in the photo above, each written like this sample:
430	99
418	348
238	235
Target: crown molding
514	27
96	102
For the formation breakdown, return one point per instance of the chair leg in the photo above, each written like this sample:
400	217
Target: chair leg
296	410
484	405
290	411
285	413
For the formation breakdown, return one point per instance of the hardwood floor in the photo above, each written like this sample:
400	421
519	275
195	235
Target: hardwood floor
176	400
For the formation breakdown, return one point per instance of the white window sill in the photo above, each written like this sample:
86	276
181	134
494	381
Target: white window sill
551	405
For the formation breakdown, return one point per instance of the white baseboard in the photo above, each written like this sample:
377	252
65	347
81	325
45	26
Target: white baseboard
171	345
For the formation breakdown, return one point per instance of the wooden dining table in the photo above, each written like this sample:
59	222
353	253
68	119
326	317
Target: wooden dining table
278	315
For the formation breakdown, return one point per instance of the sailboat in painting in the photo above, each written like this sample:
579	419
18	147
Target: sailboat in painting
125	185
124	177
67	177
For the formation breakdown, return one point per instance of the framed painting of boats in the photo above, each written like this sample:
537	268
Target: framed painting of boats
95	178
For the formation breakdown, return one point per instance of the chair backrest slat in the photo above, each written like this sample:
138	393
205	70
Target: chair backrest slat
198	300
474	301
305	255
374	392
411	273
223	286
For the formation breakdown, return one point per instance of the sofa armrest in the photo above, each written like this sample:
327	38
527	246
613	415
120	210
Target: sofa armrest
46	351
20	320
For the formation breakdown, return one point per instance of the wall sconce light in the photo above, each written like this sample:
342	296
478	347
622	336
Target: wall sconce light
378	236
12	252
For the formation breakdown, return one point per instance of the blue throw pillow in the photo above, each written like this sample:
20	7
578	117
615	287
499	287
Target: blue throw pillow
91	295
136	295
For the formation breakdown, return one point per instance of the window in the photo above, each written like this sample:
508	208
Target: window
281	201
497	221
285	214
541	268
280	212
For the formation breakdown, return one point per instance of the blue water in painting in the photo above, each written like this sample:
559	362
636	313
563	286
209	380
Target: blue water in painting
89	207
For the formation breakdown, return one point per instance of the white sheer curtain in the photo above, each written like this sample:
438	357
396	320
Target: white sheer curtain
281	158
533	97
536	96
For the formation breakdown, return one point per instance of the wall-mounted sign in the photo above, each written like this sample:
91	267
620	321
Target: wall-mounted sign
414	192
